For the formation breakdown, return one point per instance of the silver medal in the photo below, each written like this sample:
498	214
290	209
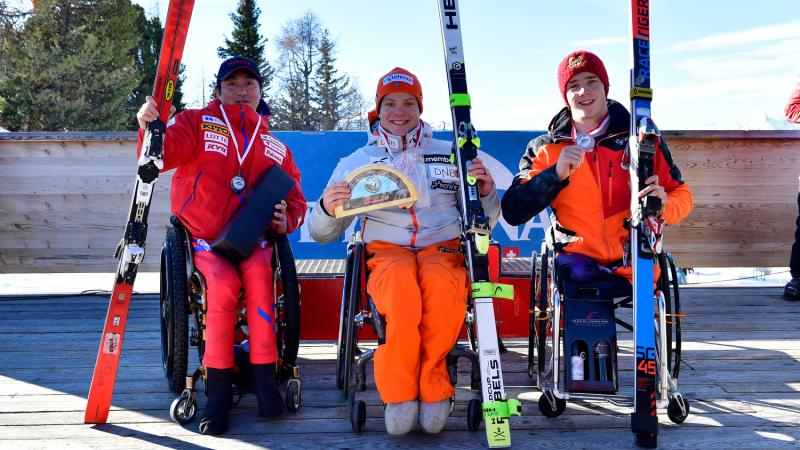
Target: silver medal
584	141
238	184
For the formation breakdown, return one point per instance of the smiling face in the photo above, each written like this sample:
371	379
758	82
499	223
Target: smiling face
399	113
586	97
239	88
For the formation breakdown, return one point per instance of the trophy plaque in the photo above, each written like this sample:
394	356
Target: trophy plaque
376	186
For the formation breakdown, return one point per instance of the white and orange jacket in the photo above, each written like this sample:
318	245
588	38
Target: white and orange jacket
434	218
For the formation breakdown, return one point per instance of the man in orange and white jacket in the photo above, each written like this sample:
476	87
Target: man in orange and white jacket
589	190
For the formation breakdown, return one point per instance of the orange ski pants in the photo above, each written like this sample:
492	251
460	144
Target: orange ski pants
423	298
224	281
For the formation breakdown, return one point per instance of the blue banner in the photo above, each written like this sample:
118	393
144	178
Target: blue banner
317	154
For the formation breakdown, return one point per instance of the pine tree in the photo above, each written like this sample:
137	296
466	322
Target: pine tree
70	67
247	41
312	96
338	102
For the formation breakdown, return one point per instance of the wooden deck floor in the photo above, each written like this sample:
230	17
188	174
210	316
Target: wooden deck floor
741	373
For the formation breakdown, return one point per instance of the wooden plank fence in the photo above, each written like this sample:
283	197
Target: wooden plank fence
64	198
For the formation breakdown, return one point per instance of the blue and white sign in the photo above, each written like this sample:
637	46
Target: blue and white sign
317	153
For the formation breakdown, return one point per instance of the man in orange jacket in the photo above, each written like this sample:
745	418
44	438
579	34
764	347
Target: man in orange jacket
589	190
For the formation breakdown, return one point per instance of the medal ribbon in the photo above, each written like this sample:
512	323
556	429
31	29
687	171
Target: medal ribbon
249	145
599	129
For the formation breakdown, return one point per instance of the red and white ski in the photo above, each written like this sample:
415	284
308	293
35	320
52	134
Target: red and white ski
130	251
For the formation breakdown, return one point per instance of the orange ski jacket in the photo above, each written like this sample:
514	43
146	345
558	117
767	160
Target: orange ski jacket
590	206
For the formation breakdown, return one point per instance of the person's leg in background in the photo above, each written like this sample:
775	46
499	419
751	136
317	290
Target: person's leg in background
792	289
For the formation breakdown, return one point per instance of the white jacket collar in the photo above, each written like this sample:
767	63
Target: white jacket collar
418	137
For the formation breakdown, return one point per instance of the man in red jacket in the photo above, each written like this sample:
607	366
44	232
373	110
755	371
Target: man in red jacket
219	152
792	289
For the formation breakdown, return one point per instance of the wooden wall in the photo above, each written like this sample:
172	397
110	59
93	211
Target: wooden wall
745	187
64	199
64	202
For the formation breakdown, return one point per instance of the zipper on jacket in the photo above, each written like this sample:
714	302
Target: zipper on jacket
191	196
416	226
610	182
600	190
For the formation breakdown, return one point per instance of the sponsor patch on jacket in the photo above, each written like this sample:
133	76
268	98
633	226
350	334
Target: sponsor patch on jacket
212	119
273	148
215	128
214	137
436	159
215	147
446	185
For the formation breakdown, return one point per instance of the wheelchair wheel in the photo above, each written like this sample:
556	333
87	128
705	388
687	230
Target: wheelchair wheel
183	408
174	309
668	284
347	345
358	416
343	321
474	414
293	395
678	409
551	406
537	342
287	301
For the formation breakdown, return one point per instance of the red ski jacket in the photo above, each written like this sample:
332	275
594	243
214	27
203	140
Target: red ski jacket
200	146
792	111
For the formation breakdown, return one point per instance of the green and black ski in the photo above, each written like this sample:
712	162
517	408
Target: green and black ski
476	235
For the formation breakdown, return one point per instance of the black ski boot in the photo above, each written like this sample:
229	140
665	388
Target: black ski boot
270	402
792	290
220	393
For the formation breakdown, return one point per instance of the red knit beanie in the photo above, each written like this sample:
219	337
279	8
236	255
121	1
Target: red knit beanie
397	80
577	62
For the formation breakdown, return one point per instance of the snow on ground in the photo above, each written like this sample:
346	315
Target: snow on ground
147	282
70	283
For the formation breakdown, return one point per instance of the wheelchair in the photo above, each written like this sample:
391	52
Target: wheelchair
183	307
572	345
358	309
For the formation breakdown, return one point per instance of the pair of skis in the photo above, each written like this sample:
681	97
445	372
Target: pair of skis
477	232
645	238
646	228
130	251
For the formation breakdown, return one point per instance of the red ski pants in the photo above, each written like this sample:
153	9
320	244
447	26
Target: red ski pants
224	281
423	297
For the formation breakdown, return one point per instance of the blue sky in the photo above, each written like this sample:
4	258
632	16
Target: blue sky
716	64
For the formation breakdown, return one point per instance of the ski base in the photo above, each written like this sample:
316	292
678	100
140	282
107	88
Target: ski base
130	252
496	408
105	372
